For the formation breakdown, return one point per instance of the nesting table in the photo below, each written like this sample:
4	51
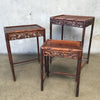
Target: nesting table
64	48
74	21
22	32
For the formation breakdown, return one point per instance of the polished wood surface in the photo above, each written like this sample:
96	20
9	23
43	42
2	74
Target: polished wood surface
64	49
22	32
73	20
62	45
22	28
67	49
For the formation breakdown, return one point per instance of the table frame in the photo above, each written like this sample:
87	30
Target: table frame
75	23
22	35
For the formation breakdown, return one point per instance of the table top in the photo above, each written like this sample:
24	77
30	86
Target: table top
73	17
62	45
22	28
72	20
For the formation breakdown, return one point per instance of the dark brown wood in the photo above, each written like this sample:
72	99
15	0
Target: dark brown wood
10	58
26	61
78	73
47	66
90	42
50	30
50	38
45	58
65	49
74	21
22	32
83	34
41	70
70	50
38	49
62	32
63	73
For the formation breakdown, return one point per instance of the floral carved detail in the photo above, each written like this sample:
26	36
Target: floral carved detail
15	36
63	54
70	23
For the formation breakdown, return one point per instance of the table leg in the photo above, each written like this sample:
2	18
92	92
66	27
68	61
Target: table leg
45	57
41	70
38	49
90	43
77	70
83	35
50	38
50	30
78	74
47	66
10	59
62	32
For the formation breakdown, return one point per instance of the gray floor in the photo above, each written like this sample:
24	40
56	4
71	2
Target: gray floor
58	87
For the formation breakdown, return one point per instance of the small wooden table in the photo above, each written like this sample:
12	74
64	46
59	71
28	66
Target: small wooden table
74	21
64	49
22	32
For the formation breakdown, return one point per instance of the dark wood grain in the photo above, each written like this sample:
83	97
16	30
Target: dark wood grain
69	49
22	32
64	49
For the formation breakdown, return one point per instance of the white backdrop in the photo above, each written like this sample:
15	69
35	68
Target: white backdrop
23	12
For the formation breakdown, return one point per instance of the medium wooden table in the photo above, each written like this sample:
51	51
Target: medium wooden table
74	21
63	49
22	32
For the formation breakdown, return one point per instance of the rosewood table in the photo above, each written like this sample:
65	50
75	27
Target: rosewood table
22	32
74	21
64	49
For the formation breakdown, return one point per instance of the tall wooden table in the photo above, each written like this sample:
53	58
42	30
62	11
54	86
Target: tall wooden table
22	32
74	21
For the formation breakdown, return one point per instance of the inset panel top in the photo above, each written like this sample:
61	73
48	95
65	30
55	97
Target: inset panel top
22	28
72	20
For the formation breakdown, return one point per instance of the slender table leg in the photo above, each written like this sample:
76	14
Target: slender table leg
47	66
62	32
10	58
41	70
50	38
45	58
50	30
83	35
77	70
38	49
78	74
90	43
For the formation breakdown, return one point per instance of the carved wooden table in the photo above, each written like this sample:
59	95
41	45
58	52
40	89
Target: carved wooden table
22	32
74	21
64	49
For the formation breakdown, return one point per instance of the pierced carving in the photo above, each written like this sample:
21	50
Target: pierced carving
65	22
14	36
64	54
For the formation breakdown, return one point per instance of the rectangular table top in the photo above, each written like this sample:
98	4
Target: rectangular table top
22	28
72	20
72	17
62	45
